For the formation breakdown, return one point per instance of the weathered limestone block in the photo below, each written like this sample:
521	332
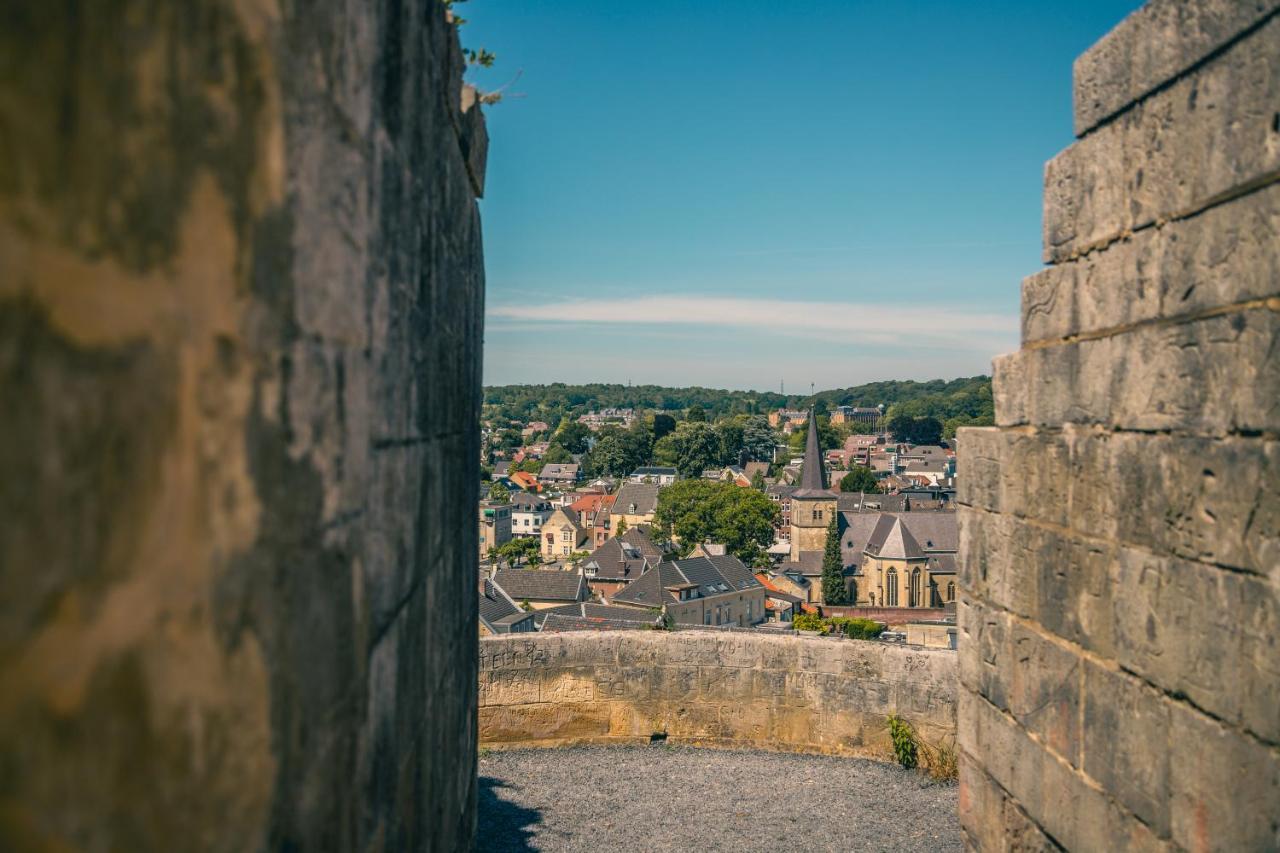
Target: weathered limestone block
1226	255
993	821
1188	146
1076	814
1035	678
712	688
1225	787
241	298
1214	500
1126	748
1211	376
1162	39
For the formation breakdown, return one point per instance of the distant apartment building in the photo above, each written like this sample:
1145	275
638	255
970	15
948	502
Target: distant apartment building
605	417
856	415
782	418
528	512
495	526
663	476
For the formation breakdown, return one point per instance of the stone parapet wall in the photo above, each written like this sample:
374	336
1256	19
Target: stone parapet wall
714	689
241	297
1120	526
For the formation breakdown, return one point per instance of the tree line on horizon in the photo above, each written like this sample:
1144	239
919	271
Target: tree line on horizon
952	403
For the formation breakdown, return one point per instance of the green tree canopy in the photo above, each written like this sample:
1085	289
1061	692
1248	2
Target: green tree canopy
758	440
574	437
757	481
730	434
828	438
924	430
693	511
834	590
498	493
663	425
695	447
557	453
617	452
521	548
695	413
859	479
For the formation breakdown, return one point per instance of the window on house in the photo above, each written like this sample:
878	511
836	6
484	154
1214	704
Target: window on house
951	591
566	550
706	617
817	515
566	536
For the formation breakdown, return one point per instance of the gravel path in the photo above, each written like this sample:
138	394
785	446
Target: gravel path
651	798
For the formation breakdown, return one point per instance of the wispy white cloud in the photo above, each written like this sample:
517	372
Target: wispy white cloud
927	325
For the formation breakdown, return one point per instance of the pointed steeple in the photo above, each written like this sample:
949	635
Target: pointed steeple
813	478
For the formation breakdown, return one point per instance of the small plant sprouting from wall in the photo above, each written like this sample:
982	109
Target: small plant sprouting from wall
940	762
905	748
480	57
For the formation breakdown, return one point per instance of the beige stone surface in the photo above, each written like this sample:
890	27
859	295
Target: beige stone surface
1120	527
1162	39
1200	141
712	688
241	295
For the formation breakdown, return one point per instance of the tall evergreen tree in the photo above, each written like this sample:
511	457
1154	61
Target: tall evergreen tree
834	590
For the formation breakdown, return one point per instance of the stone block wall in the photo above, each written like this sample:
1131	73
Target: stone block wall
1120	526
712	689
241	298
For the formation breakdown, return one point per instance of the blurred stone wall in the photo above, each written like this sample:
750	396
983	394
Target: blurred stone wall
1120	527
241	297
712	689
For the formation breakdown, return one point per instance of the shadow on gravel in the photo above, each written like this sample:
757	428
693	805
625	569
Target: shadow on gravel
502	824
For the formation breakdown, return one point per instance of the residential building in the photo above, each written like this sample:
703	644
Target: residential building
495	526
856	414
619	561
562	535
528	513
559	474
779	605
661	475
499	614
605	417
593	515
635	503
699	591
541	588
526	481
787	419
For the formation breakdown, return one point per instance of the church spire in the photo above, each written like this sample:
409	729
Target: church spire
813	479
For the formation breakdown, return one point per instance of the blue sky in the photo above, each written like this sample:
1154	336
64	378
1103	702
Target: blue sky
735	194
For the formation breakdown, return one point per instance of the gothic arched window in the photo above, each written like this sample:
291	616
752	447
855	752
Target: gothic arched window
913	596
891	588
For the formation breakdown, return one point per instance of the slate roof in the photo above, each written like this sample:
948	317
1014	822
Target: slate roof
891	540
653	471
525	502
588	616
935	531
942	564
559	471
497	611
643	495
618	559
813	476
710	575
541	585
639	537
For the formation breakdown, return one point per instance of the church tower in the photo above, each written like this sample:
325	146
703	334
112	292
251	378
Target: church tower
813	505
